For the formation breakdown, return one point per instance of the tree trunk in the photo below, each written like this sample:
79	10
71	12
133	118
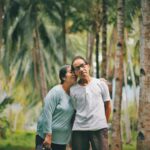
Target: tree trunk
104	39
116	127
90	45
143	138
35	61
64	33
97	55
1	25
96	28
126	116
43	84
111	55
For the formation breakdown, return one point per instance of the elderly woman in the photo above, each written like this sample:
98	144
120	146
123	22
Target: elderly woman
54	124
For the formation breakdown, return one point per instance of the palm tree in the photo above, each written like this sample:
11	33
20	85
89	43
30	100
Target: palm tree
27	40
98	22
90	47
116	127
104	39
143	138
1	24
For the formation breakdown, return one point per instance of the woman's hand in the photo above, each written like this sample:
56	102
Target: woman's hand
47	141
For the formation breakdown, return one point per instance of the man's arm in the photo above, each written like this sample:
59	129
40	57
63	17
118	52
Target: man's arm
107	109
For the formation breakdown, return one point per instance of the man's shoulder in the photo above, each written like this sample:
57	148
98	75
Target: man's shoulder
75	86
97	80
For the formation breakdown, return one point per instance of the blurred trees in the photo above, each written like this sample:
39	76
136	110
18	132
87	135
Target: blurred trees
143	139
38	36
4	123
116	126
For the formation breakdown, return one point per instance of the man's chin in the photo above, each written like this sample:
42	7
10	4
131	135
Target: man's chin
83	76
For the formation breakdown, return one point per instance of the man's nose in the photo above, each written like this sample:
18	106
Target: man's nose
81	68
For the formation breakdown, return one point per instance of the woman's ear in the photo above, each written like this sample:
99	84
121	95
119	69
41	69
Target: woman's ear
64	78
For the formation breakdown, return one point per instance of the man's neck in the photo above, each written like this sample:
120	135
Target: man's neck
85	81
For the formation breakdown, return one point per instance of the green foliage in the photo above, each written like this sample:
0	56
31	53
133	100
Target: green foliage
18	141
132	145
5	102
26	141
132	9
4	124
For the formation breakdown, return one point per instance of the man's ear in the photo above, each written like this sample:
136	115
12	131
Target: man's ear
89	66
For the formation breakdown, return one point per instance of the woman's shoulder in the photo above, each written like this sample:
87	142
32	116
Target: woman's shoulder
55	90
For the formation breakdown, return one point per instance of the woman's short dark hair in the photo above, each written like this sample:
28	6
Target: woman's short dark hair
62	73
78	57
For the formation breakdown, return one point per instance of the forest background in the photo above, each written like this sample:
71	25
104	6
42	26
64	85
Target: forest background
39	36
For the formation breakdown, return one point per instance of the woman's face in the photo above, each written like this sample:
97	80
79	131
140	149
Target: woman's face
70	77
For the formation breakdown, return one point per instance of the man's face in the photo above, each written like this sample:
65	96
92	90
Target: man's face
81	68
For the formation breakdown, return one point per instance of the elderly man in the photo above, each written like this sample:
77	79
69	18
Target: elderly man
91	100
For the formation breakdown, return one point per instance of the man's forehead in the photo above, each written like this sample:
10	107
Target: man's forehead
78	62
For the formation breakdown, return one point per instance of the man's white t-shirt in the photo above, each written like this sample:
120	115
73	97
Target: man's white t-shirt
88	102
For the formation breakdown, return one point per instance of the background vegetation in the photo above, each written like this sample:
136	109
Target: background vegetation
38	36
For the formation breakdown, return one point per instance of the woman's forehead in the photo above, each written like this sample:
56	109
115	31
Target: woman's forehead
68	68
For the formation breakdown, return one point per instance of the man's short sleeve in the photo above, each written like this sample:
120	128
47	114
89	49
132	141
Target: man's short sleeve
105	91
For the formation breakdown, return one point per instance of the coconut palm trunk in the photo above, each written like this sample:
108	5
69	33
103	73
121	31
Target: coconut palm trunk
90	45
97	54
43	85
64	46
1	25
104	39
116	127
111	54
98	22
143	138
35	61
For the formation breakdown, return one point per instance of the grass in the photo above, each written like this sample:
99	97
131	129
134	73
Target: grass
132	145
26	141
18	141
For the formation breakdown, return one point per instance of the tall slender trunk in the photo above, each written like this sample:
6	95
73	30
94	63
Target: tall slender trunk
111	55
97	54
90	45
126	116
104	39
35	61
64	46
132	74
43	84
98	22
116	127
143	138
1	25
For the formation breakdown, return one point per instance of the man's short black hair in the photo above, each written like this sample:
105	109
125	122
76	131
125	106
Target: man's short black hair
62	73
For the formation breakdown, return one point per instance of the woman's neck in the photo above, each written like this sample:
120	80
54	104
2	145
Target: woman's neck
66	88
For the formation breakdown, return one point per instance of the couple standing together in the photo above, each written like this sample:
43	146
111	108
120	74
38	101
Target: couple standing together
75	111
